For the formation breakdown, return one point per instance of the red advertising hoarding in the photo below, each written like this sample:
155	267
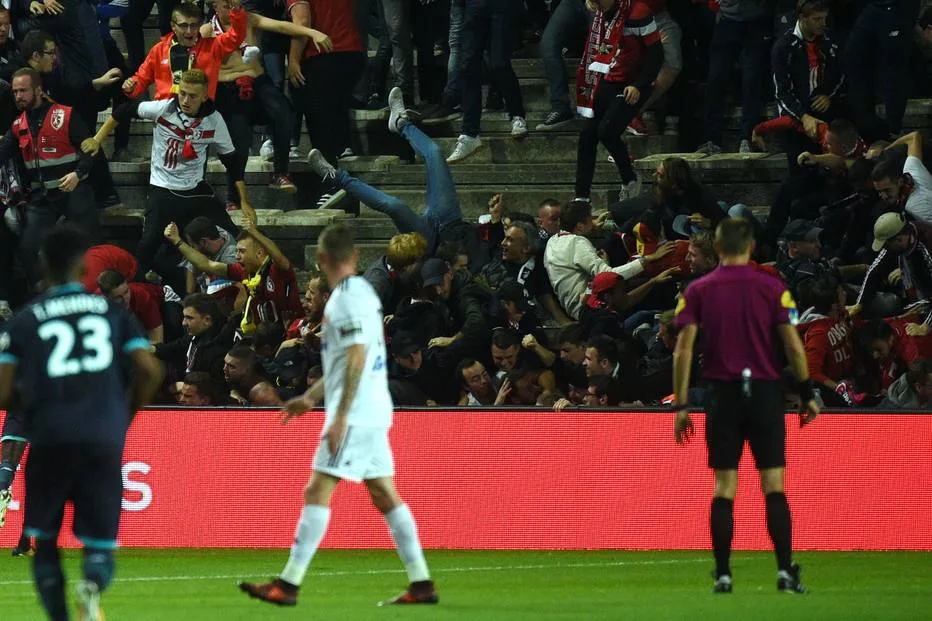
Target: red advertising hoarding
519	480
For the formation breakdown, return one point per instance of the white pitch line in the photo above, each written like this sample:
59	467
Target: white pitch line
375	572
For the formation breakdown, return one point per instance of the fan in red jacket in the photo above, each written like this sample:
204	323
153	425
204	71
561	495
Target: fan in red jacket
184	49
890	347
828	336
105	257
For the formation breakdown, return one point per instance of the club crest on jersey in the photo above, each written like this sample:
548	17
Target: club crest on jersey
270	285
58	118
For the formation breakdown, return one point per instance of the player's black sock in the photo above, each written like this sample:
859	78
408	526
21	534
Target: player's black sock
50	581
7	470
722	521
780	527
98	567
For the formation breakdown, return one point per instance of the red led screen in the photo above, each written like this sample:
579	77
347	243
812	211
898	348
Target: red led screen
519	480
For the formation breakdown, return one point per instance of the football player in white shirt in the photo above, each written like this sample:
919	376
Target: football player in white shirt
354	445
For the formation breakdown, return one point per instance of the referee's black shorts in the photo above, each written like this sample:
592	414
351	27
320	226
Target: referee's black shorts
732	417
90	476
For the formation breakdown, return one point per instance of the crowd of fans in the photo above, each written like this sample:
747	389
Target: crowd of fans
571	306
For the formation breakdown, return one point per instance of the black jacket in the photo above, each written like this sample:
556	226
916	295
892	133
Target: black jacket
791	73
207	353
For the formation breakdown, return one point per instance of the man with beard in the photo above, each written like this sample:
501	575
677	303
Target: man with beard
203	347
241	371
55	171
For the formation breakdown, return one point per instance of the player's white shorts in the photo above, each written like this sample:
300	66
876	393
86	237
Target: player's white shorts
365	454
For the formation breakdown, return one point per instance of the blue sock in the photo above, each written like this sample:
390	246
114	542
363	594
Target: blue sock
7	472
98	567
50	580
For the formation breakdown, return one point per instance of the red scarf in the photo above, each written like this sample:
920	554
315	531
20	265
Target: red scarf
599	56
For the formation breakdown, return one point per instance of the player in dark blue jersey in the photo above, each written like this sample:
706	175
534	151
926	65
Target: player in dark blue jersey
77	367
12	446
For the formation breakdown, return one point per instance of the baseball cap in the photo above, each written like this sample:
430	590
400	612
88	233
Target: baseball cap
403	345
511	291
433	271
801	230
887	227
684	226
606	281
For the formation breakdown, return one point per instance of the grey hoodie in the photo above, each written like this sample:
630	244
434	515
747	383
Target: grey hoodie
901	396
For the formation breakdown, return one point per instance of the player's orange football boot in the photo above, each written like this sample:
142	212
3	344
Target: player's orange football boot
275	592
417	593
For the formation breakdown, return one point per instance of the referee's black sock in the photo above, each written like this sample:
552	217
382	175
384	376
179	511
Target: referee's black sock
50	581
780	527
722	521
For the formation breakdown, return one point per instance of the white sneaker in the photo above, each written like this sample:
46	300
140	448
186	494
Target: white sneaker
267	151
745	147
630	189
397	116
518	127
294	154
465	146
6	313
88	596
321	166
347	152
6	497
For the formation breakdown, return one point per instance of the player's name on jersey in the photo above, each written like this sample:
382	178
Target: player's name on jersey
69	305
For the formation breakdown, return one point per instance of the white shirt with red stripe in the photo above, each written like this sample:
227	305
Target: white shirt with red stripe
169	169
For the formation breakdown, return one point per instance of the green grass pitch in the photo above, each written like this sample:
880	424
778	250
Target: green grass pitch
489	586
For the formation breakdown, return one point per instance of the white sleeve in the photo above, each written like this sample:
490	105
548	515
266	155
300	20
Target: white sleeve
919	172
151	110
347	317
222	137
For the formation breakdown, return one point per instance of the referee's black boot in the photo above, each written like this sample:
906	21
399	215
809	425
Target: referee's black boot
788	582
722	584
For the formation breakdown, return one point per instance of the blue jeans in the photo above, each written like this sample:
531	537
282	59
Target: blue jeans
487	25
453	92
878	38
442	203
750	41
569	22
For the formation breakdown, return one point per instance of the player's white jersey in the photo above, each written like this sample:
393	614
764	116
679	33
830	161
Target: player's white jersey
169	169
353	315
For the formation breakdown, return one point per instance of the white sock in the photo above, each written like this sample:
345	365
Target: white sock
310	530
404	532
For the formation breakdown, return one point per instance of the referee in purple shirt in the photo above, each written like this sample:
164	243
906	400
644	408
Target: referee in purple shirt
744	314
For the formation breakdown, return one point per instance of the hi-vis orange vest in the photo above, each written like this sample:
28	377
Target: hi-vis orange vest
53	156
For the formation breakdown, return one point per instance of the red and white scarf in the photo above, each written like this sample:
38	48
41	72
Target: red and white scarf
599	56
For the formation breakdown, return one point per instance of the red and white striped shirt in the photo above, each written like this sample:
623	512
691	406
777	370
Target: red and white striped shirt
169	169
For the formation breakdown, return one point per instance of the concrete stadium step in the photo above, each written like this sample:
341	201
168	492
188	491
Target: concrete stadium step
292	230
543	147
369	252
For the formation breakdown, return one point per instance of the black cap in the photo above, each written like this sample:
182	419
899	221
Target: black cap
433	271
801	230
403	345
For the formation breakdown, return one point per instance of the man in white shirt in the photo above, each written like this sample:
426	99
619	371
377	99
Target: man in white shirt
909	187
354	445
572	262
183	128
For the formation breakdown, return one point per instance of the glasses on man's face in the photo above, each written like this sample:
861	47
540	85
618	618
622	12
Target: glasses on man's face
188	26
